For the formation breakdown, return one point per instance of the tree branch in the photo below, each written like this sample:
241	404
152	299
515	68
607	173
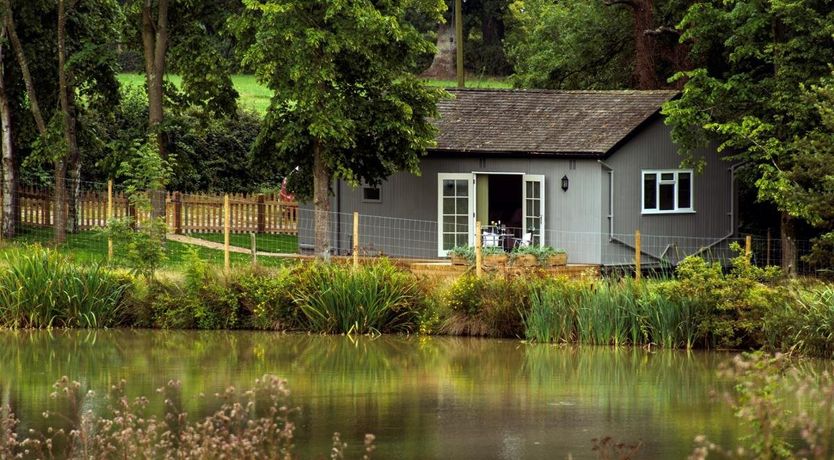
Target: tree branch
629	3
663	30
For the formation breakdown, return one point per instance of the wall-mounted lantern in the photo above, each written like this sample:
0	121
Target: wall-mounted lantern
565	183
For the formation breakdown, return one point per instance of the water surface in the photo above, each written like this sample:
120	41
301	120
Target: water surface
422	397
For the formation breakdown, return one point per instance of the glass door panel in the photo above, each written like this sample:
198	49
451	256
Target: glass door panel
454	211
533	218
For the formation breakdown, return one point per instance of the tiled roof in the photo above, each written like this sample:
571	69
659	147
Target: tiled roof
539	122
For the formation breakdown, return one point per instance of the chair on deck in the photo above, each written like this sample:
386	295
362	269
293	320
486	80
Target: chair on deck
490	240
524	241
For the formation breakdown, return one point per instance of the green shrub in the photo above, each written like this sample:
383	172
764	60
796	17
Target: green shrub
265	298
371	299
487	306
40	288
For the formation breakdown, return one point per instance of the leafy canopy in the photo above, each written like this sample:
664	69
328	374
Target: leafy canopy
342	73
762	88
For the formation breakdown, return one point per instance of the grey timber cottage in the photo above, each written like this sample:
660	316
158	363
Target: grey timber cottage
579	170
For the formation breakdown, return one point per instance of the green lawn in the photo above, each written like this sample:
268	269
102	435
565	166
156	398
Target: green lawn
263	242
89	247
254	96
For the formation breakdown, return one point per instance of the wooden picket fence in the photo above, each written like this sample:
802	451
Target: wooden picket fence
184	213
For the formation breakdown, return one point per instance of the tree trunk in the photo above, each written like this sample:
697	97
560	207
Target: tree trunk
8	179
645	71
443	64
155	46
70	124
321	201
68	121
788	236
23	62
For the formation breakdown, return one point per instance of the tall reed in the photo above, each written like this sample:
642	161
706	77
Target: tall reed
40	288
371	299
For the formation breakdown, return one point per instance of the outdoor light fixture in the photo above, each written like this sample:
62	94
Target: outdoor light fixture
565	183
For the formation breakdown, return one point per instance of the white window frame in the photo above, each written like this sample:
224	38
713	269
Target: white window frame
658	182
365	200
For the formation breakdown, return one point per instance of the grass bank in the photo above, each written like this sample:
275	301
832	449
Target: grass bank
699	306
91	247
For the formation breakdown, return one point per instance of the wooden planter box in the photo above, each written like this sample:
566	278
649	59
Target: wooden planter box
525	260
458	260
557	260
496	260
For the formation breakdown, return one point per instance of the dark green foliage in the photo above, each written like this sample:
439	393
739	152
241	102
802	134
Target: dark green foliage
762	89
344	85
571	44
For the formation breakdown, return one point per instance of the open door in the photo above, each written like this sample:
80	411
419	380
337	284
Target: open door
533	218
455	211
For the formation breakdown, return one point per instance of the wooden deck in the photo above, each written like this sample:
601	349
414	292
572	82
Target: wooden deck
444	269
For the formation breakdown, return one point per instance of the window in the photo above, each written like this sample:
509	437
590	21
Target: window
371	194
668	191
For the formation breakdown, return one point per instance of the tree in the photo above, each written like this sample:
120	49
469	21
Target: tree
346	102
570	44
751	90
8	179
605	44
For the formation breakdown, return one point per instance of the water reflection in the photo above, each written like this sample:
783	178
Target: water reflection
422	397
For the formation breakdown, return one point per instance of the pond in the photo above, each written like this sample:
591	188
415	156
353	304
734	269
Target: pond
422	397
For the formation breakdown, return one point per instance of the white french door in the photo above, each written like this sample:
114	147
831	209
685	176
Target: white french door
455	211
533	218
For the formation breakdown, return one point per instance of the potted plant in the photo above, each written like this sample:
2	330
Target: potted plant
494	257
525	256
462	255
554	258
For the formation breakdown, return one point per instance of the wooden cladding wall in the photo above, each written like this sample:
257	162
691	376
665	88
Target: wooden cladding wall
184	213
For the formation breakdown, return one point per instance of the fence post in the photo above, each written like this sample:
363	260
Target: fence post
478	255
768	246
109	218
254	249
178	213
261	210
355	239
637	268
748	247
226	233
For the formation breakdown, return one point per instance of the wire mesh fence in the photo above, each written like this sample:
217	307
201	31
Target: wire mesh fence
267	225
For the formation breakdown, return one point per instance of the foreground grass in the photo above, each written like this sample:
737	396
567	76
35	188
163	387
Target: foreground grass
255	97
91	247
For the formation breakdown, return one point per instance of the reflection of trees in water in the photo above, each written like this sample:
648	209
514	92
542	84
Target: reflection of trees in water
393	386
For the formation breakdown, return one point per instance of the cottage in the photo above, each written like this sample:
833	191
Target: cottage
579	170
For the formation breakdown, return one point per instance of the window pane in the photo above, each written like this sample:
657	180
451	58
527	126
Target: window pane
462	206
462	240
448	187
448	205
461	187
667	197
650	191
448	241
371	193
667	176
684	190
448	224
529	189
463	225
